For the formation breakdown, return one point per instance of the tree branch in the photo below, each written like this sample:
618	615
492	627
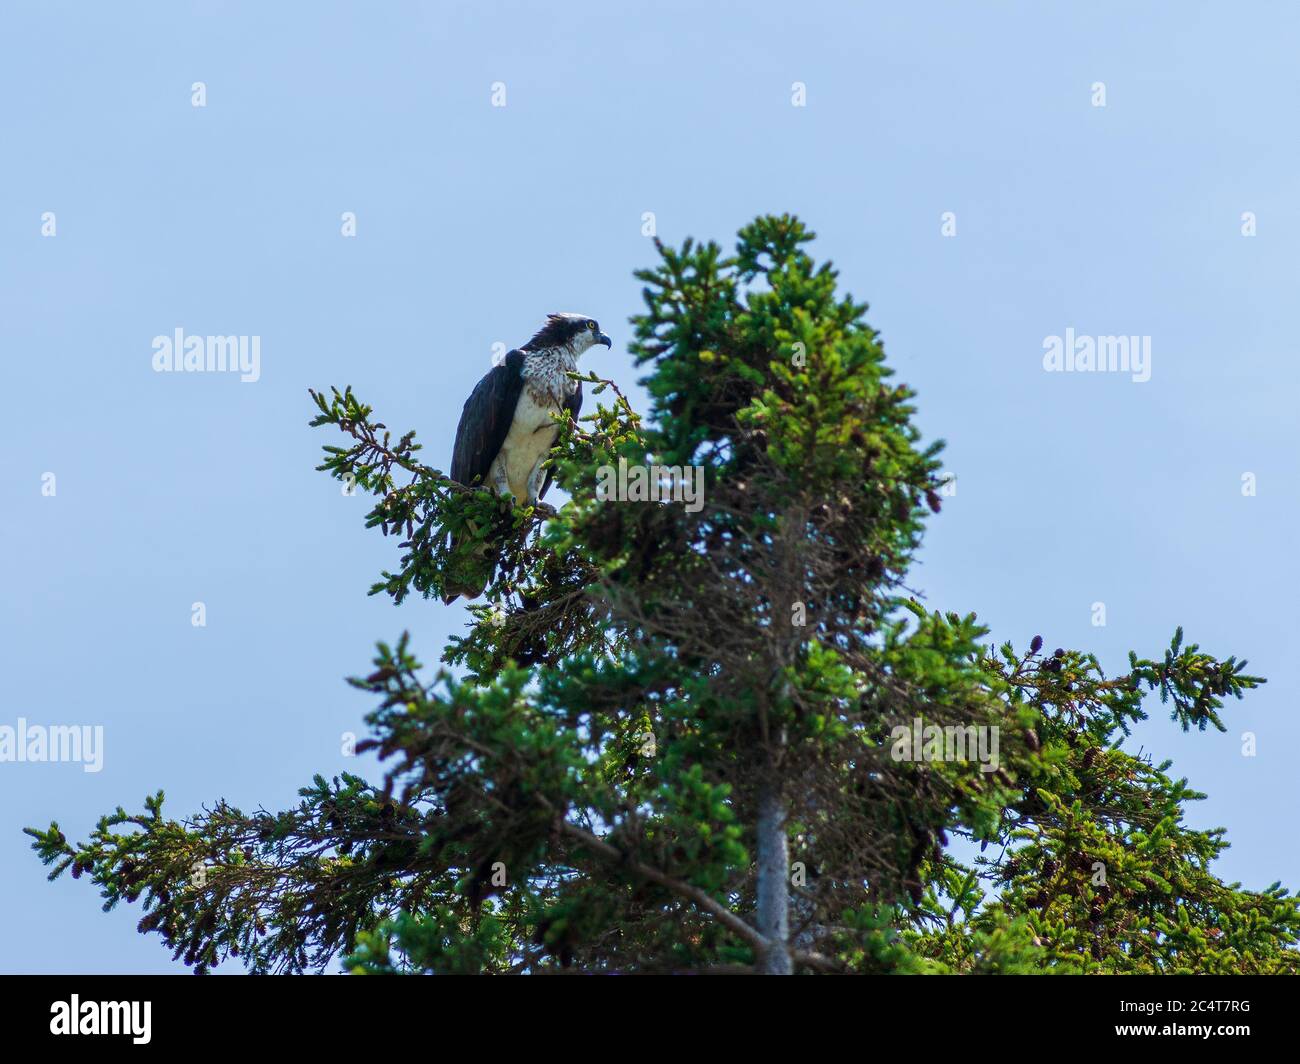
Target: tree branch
697	897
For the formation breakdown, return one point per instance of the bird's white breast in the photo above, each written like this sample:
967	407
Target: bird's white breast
532	435
546	373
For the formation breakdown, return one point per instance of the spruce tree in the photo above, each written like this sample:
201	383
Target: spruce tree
677	737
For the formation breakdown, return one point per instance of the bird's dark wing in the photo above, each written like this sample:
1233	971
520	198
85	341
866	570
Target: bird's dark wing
574	406
485	421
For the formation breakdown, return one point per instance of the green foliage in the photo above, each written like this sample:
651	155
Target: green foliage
584	791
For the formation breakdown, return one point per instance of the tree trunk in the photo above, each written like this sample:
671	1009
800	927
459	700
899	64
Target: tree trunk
773	917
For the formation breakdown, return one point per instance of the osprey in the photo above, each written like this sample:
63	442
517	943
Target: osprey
507	428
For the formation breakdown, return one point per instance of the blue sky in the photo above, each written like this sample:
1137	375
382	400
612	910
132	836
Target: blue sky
473	221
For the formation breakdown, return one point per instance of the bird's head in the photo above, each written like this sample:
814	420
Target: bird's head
577	332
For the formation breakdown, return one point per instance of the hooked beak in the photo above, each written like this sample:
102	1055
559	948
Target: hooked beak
601	338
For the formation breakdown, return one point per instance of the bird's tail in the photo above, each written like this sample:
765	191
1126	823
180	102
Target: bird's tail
465	572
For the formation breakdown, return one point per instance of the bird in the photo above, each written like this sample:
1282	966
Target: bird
508	427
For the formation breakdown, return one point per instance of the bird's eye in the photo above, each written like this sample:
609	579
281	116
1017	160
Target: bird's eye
591	325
